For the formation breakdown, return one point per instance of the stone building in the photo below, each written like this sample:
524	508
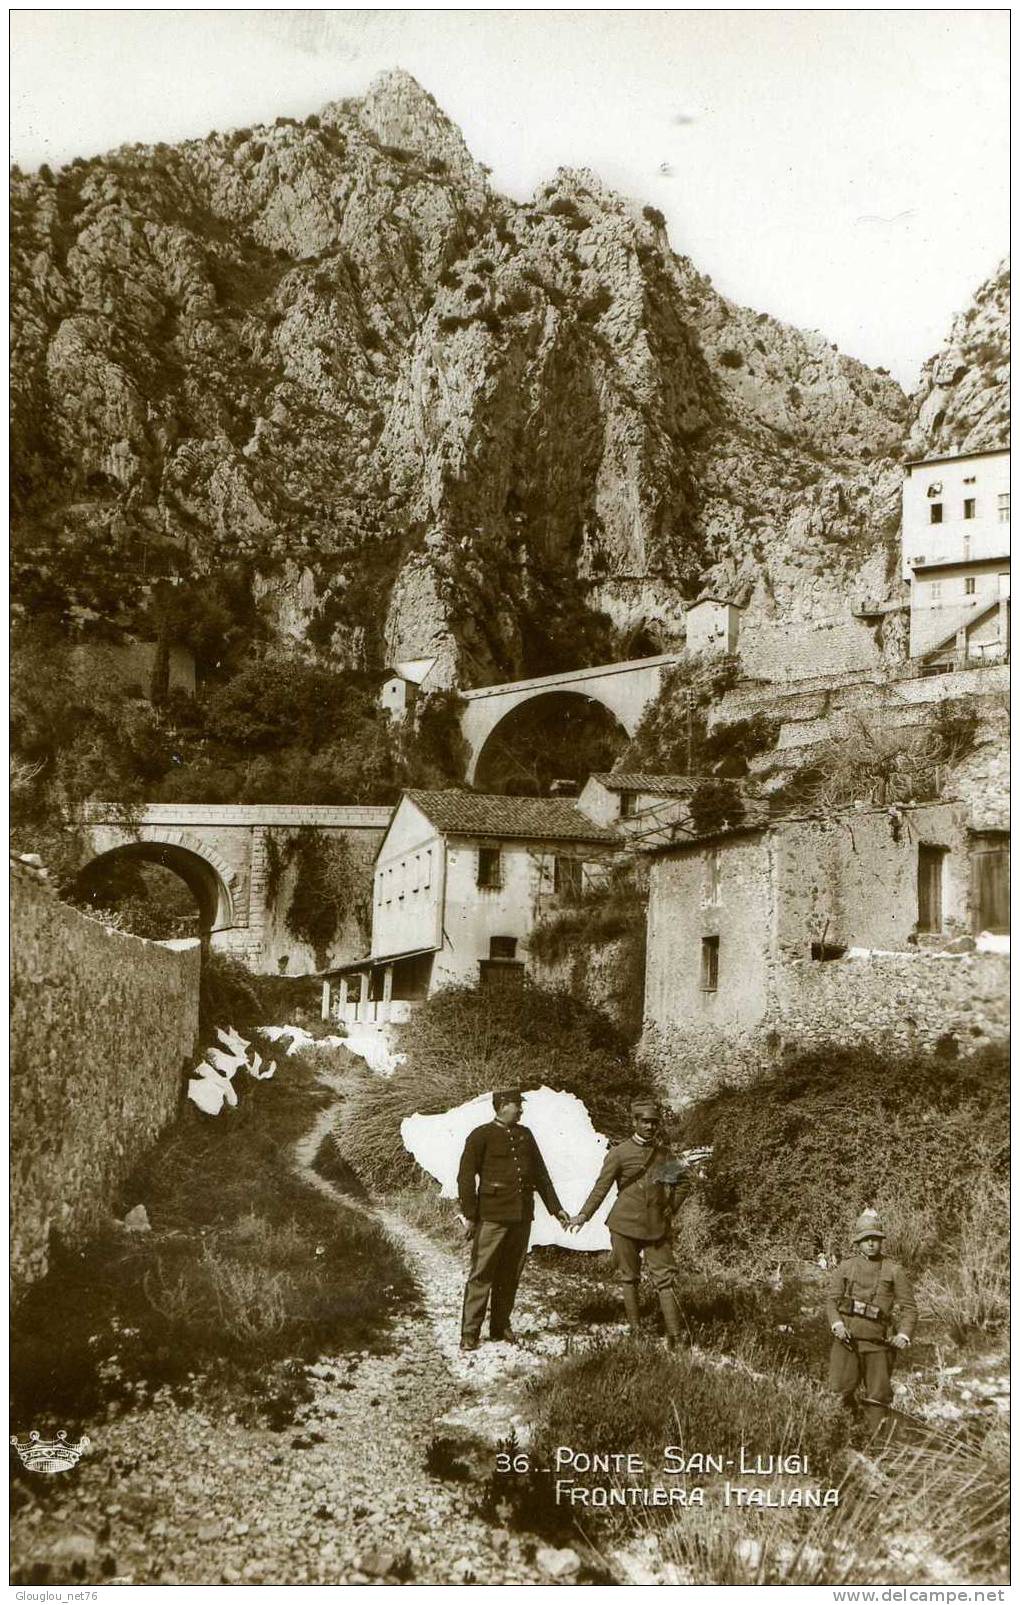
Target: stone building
460	881
876	925
399	691
637	803
713	626
956	556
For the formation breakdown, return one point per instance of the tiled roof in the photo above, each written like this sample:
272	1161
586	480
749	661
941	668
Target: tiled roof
655	785
464	813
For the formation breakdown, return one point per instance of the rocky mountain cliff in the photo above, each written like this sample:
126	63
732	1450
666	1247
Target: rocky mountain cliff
962	400
418	418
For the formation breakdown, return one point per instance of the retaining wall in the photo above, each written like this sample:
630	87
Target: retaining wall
102	1027
893	1002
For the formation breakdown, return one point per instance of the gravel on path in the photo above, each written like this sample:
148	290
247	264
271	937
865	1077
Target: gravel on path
171	1495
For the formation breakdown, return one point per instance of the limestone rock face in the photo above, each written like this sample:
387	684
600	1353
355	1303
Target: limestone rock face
423	419
962	401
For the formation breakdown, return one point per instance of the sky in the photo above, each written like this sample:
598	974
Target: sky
845	171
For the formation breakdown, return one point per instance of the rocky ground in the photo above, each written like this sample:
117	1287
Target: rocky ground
172	1495
382	1476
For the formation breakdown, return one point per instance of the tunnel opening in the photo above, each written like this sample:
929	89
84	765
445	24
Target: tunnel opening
558	736
157	891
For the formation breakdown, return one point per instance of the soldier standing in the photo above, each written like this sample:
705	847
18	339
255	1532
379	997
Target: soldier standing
639	1220
501	1169
863	1291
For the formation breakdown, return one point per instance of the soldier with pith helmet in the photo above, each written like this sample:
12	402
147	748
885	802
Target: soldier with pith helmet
864	1290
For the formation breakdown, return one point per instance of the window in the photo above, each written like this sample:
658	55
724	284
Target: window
935	513
969	587
567	877
969	507
490	868
970	479
709	963
929	887
502	947
713	877
935	590
628	804
1004	507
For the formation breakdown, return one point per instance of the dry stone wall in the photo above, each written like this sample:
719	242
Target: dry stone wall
102	1028
894	1002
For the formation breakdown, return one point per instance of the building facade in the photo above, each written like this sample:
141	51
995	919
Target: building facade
862	927
460	881
956	517
637	804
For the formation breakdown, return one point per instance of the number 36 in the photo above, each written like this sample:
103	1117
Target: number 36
512	1463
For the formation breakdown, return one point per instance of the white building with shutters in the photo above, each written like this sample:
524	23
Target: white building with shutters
460	881
956	518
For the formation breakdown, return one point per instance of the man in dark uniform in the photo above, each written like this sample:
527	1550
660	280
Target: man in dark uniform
501	1169
862	1293
639	1220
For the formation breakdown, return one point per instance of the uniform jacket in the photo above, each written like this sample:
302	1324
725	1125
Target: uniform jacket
643	1202
881	1281
501	1169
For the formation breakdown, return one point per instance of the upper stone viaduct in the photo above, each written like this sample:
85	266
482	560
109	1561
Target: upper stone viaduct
625	689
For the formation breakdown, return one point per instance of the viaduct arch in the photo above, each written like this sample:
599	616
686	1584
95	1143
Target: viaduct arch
222	852
625	689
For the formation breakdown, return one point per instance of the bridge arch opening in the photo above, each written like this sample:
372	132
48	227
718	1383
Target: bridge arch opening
161	889
553	735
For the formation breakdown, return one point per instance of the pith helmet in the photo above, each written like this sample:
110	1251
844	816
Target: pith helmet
868	1225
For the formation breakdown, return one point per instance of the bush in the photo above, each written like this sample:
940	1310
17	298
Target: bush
731	359
714	805
832	1131
973	1292
463	1042
651	214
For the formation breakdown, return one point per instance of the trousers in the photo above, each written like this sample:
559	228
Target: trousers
658	1258
848	1367
498	1252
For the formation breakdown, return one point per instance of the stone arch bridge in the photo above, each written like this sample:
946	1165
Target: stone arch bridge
221	852
625	689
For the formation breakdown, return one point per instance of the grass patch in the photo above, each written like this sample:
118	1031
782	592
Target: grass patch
246	1272
463	1042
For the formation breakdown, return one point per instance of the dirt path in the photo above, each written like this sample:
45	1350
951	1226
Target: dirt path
170	1495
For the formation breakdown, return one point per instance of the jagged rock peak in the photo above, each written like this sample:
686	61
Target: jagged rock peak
962	400
400	113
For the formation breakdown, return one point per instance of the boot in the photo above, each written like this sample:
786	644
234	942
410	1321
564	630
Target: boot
671	1317
632	1307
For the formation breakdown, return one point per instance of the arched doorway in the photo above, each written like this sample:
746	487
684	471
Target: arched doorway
556	735
161	889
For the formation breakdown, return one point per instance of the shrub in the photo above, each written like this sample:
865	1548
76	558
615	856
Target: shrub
731	359
463	1042
474	292
651	214
715	804
833	1130
973	1291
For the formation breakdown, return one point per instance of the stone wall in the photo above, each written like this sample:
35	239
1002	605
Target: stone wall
893	1002
102	1028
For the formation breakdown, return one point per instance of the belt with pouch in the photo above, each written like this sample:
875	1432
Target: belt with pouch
867	1312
